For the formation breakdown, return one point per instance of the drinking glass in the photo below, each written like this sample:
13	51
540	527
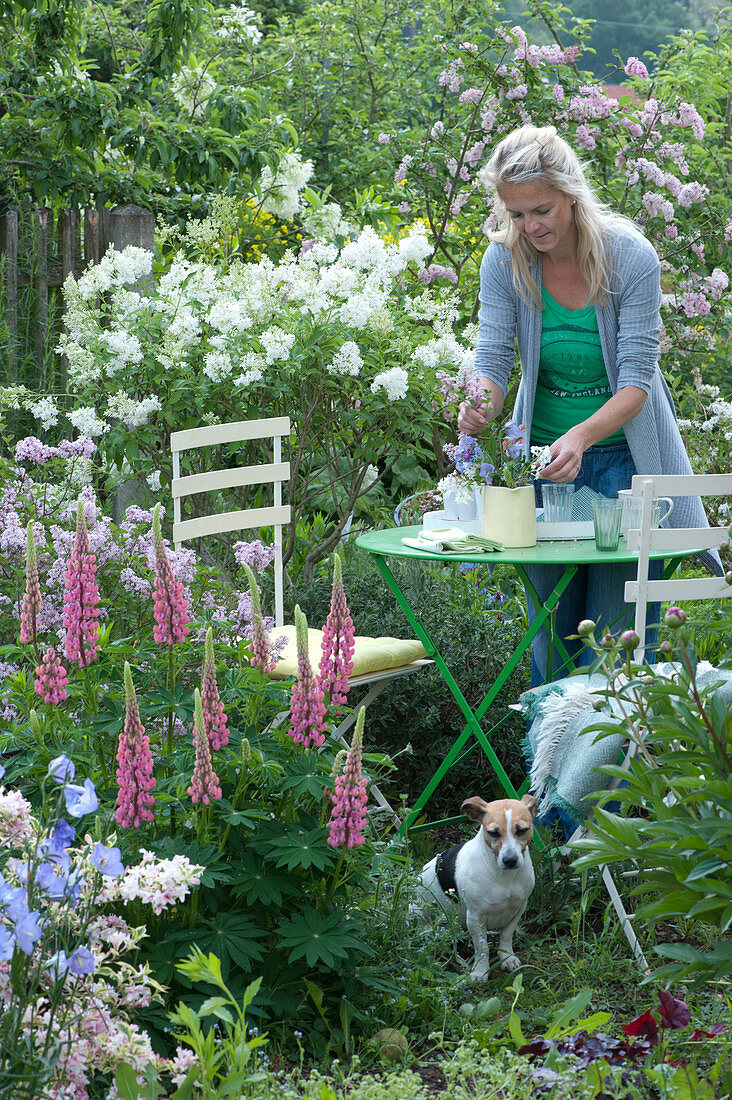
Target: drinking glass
607	515
557	500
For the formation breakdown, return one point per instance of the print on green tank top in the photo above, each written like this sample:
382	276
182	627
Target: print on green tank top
573	382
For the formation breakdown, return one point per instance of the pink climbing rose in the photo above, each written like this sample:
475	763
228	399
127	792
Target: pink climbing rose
348	815
307	708
171	606
204	781
336	663
135	771
51	679
81	597
214	716
32	599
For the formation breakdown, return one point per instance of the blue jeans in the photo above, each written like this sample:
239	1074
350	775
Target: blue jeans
595	592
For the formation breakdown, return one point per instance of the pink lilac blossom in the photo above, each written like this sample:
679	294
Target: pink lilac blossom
658	206
32	598
692	192
717	282
436	271
214	716
338	645
557	93
471	95
348	815
261	648
689	116
204	781
171	606
81	598
83	447
51	679
135	776
450	77
384	139
256	554
307	708
635	67
31	449
586	136
519	92
474	153
694	304
401	173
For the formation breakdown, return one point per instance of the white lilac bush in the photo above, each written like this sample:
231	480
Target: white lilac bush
68	988
346	341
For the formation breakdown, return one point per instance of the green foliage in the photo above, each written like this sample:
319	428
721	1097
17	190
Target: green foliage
676	807
143	104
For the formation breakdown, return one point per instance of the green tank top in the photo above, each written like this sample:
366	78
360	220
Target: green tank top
573	382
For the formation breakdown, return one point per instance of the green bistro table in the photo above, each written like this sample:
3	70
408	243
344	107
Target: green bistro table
569	554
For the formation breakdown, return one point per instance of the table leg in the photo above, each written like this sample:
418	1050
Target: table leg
473	727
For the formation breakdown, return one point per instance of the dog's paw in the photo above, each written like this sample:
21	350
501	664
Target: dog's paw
510	962
480	972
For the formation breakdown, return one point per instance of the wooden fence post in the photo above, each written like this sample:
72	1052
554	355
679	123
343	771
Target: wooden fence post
9	248
42	221
131	225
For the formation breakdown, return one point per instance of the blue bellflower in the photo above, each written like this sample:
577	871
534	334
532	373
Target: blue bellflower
81	800
61	769
108	861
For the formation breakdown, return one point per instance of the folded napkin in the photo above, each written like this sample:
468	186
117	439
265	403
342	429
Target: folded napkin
451	540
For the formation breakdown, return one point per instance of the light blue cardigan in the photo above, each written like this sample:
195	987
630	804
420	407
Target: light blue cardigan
629	322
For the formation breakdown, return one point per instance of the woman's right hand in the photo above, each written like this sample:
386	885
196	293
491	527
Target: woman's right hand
471	420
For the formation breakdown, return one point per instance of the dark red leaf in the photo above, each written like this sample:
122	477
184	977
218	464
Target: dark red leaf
675	1014
715	1029
644	1026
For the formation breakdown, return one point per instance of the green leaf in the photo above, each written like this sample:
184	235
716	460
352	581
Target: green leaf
515	1031
568	1011
300	848
319	938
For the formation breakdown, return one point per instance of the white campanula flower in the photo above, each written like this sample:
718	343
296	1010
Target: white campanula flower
238	24
253	365
153	481
347	360
395	383
441	350
86	421
228	315
46	411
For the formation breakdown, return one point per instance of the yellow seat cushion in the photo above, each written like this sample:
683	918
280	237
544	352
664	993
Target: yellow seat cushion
370	655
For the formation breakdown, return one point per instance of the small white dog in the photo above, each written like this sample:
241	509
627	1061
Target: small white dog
492	875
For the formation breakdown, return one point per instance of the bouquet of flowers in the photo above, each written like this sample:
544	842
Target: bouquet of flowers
493	458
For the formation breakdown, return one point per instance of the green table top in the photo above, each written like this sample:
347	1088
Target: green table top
388	543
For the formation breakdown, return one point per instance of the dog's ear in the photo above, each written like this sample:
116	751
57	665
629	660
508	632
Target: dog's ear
531	803
474	807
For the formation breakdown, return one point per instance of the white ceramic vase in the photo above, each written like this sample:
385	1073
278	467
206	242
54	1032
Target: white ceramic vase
509	515
461	511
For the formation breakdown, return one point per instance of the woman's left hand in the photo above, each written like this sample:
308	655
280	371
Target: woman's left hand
566	455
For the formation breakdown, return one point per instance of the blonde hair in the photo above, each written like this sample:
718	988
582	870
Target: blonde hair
534	154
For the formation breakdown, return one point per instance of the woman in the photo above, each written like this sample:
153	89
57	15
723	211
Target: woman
578	287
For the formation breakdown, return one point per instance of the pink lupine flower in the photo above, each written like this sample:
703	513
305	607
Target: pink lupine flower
135	772
171	606
261	647
307	709
204	781
336	663
348	815
51	679
81	597
214	716
32	599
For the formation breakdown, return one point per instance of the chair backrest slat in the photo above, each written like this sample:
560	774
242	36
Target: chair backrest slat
231	479
647	540
237	432
274	473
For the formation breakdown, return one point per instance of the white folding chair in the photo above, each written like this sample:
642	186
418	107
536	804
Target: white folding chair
674	540
276	474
